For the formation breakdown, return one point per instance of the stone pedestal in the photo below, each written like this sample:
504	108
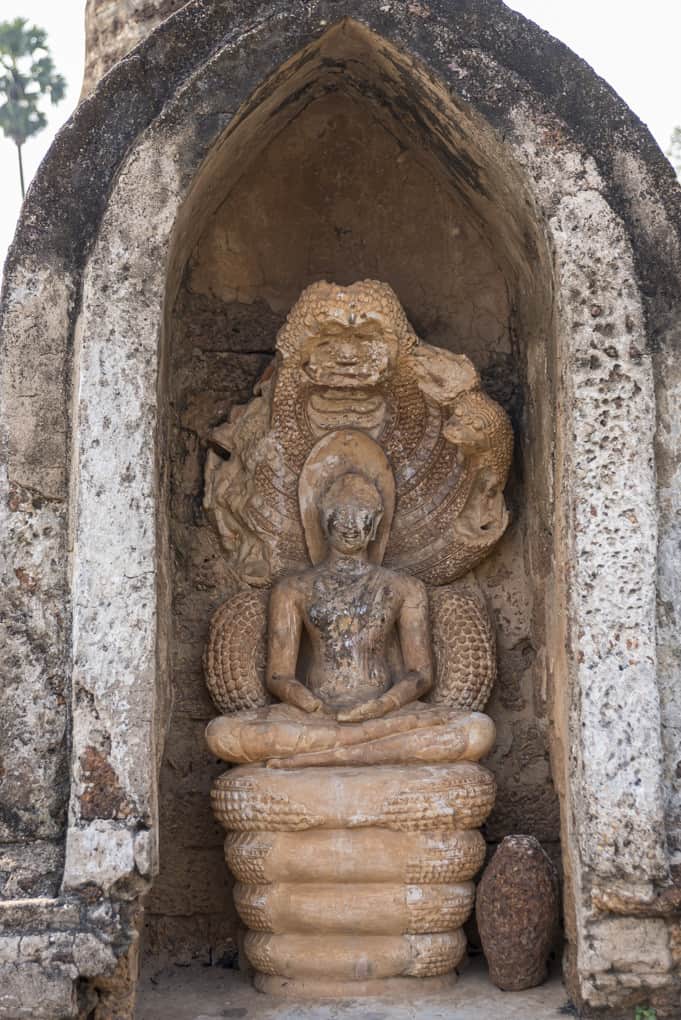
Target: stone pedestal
353	881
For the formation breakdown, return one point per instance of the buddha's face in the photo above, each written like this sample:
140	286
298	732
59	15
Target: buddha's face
351	514
346	356
350	528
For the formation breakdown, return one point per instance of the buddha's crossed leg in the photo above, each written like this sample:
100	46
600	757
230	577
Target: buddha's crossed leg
285	737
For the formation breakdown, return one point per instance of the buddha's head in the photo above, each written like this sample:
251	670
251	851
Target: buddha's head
351	511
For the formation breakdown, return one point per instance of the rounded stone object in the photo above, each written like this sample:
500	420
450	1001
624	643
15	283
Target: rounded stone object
517	913
464	650
355	855
330	958
354	908
415	799
234	659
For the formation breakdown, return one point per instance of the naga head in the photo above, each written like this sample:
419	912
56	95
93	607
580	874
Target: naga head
346	337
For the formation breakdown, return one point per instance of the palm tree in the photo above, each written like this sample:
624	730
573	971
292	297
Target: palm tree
27	74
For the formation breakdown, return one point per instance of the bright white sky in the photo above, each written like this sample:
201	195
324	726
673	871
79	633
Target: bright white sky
634	46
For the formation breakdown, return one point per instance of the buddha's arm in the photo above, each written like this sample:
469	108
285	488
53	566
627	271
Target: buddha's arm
413	627
283	643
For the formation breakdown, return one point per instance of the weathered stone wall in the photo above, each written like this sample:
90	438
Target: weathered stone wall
215	359
114	27
34	622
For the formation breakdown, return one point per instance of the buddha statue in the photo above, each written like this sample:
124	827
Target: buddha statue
370	654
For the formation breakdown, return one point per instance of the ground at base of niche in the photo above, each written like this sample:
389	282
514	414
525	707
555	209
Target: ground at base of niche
214	993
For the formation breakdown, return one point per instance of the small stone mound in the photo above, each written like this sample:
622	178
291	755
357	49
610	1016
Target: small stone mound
517	912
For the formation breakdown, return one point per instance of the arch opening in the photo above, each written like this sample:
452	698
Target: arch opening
351	162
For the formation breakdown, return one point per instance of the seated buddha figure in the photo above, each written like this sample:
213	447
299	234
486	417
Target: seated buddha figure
349	645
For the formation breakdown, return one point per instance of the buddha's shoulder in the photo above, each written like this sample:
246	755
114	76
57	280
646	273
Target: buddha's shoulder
402	582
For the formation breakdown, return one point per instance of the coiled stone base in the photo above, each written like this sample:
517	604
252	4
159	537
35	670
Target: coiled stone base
353	881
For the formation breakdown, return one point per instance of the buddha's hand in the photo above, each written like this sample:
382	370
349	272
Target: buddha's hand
292	692
307	701
375	708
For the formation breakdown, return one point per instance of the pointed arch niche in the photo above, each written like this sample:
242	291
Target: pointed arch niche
352	162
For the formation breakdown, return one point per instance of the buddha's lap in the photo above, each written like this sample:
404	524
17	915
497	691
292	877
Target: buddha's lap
280	731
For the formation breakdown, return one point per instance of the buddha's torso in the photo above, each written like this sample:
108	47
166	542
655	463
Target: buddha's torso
349	616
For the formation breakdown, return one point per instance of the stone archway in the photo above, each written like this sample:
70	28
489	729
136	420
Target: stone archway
593	489
420	203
